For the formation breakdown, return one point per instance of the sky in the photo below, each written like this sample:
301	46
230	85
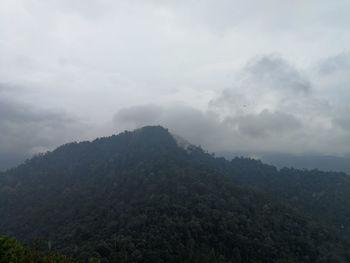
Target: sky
228	75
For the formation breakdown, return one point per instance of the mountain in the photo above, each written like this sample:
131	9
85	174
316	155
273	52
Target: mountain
143	197
302	161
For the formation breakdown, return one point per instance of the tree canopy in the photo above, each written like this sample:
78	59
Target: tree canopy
139	197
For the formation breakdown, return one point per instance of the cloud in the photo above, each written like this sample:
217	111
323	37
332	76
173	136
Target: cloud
181	120
333	64
139	115
26	129
343	120
331	76
272	83
271	106
266	123
265	131
264	83
208	129
274	72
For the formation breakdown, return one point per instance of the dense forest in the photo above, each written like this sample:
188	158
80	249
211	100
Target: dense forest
141	197
12	251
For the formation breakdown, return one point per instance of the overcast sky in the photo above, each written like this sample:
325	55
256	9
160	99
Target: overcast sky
229	75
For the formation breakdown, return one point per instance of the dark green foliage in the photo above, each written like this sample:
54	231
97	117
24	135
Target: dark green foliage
325	196
13	252
138	197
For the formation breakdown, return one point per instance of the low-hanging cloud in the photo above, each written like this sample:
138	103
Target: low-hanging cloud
139	115
26	129
209	129
267	123
272	106
181	120
265	131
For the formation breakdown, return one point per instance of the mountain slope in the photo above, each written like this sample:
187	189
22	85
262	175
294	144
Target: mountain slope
139	197
302	161
323	195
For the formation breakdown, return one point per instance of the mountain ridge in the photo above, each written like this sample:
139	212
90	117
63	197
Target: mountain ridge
102	198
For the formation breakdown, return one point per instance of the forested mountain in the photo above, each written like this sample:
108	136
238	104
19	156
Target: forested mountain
140	197
12	251
301	161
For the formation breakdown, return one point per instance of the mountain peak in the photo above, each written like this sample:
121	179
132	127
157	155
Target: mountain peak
145	141
139	195
152	133
152	128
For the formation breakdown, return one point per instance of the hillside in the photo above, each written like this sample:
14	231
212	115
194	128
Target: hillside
139	197
301	161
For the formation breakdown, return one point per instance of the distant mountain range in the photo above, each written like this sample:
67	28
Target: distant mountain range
146	196
302	161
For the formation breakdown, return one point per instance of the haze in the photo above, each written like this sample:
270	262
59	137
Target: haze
248	76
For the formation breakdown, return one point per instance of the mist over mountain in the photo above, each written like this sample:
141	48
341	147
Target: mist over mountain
142	196
252	167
